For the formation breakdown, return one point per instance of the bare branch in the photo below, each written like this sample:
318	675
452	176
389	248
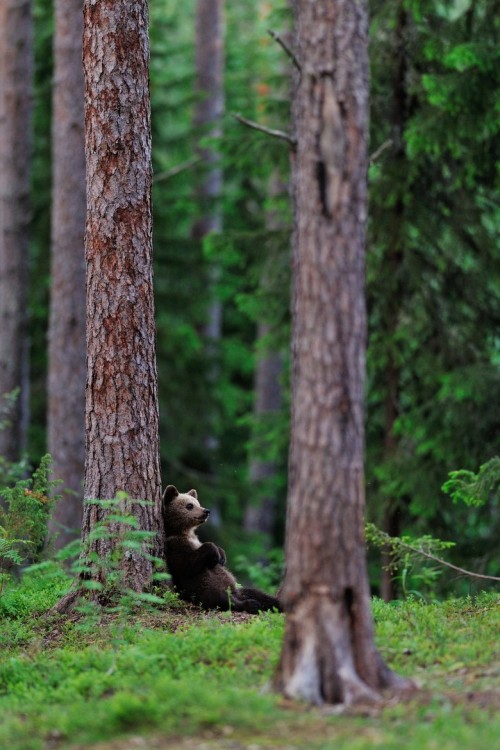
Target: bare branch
268	131
182	167
394	544
438	560
373	157
291	54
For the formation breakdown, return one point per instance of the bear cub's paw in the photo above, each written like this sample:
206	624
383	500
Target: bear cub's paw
212	554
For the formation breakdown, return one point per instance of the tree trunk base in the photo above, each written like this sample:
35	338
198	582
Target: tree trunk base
77	596
318	663
68	603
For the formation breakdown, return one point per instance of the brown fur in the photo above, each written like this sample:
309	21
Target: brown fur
198	570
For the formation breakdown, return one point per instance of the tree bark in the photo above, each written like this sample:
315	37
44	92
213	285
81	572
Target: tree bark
67	371
16	79
122	444
328	653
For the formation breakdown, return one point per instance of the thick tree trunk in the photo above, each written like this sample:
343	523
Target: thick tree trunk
16	76
122	445
328	653
67	372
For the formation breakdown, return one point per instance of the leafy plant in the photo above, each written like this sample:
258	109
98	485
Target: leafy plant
406	559
475	489
262	574
23	518
102	574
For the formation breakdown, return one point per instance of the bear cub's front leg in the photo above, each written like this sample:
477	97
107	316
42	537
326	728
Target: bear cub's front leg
212	554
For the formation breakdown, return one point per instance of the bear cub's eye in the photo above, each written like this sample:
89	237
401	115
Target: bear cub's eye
190	506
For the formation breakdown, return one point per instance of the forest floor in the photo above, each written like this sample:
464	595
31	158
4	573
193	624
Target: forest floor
178	678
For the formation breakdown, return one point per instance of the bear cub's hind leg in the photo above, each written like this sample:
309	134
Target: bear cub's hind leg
253	601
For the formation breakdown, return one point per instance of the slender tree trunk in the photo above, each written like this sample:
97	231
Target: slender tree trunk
392	514
122	444
268	399
67	372
16	77
391	522
328	653
209	45
259	516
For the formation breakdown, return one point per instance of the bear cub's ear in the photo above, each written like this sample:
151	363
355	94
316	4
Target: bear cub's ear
193	493
170	493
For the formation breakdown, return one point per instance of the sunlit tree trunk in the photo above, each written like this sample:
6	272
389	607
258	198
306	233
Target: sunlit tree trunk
328	654
122	445
16	77
67	372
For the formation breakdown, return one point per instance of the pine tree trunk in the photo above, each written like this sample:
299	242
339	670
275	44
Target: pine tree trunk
268	397
16	76
67	371
209	45
328	653
259	516
122	444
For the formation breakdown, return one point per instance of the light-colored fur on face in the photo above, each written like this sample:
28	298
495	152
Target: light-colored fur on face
183	512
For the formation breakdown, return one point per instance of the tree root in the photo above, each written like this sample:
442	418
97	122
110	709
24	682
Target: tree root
325	662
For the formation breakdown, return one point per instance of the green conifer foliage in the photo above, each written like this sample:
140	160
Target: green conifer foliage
440	327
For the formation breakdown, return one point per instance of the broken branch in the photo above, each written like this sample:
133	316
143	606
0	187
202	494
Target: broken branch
373	157
291	54
177	169
268	131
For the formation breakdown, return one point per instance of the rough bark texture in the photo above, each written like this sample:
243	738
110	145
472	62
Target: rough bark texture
208	120
122	446
328	653
16	75
67	371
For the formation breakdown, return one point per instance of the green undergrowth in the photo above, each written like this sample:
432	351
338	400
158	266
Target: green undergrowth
179	678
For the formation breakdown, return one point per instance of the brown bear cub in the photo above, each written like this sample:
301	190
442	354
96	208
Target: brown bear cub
198	570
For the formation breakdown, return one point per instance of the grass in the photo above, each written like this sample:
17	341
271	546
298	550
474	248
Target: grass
183	679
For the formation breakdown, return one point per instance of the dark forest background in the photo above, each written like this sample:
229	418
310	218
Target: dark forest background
433	379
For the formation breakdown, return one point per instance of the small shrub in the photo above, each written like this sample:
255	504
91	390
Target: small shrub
24	515
264	574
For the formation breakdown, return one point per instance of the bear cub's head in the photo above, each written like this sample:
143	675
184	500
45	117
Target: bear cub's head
182	512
